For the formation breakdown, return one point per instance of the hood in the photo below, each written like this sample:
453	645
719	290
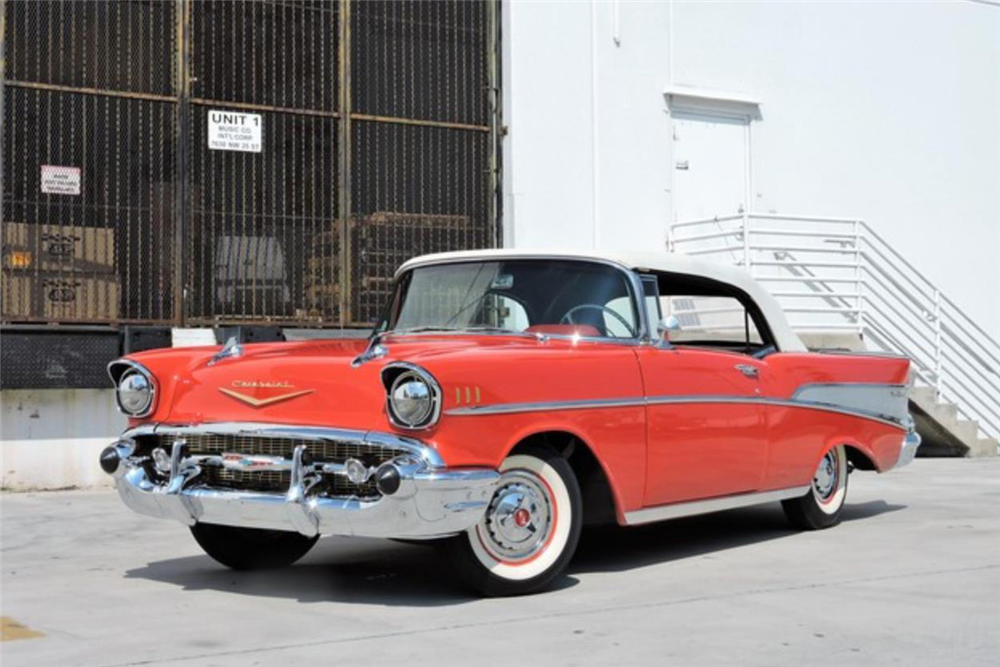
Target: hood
314	382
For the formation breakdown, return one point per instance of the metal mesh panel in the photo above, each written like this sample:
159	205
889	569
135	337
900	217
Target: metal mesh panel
256	218
307	231
109	46
415	190
278	53
420	60
104	254
419	144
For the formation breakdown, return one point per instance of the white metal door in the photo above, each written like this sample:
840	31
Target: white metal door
711	171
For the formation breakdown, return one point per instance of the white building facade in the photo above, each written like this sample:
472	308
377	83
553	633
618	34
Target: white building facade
625	117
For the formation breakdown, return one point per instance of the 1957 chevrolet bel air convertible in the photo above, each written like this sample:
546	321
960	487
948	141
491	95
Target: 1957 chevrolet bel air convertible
506	399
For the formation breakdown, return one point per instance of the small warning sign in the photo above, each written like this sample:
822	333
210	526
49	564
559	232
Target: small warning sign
60	180
235	131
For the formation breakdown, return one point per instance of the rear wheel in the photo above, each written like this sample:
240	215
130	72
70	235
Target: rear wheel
251	548
530	530
821	507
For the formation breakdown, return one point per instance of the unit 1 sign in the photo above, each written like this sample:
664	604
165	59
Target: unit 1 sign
235	131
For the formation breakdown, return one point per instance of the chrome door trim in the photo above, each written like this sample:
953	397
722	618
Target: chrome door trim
598	403
546	406
708	505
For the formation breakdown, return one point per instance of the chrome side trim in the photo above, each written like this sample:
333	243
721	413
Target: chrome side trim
139	368
266	430
548	406
695	507
545	406
888	401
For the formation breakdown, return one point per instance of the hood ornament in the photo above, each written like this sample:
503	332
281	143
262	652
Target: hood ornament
232	348
375	351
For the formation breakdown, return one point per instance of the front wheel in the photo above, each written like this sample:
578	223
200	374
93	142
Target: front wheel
529	531
251	548
821	507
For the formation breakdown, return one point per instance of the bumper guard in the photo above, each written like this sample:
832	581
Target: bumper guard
431	500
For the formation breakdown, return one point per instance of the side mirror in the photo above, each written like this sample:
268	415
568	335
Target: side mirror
666	325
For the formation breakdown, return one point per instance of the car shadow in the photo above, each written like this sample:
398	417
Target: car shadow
615	549
357	570
383	572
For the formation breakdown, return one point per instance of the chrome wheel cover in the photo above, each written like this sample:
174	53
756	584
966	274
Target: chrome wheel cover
827	476
519	519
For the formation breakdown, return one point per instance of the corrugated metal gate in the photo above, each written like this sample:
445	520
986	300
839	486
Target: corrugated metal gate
377	138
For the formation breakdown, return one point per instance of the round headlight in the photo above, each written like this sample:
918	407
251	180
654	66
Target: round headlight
411	398
135	393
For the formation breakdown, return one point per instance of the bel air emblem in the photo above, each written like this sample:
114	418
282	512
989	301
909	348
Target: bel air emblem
258	401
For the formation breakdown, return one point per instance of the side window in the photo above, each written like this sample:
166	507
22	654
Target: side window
711	314
622	326
720	320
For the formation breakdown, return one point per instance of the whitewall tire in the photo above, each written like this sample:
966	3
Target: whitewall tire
821	507
529	531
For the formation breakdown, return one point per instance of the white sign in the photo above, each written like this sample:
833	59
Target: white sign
60	180
235	131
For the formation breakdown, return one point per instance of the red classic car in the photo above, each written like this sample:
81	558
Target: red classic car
506	399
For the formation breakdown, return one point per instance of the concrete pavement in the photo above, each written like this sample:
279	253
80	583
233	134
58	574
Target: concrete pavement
911	577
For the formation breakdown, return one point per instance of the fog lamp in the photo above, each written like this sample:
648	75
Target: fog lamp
356	471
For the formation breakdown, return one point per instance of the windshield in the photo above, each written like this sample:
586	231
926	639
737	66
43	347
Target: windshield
533	296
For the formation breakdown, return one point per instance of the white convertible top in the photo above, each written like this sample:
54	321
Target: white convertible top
785	339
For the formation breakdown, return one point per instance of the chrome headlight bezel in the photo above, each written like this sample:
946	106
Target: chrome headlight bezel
395	377
120	371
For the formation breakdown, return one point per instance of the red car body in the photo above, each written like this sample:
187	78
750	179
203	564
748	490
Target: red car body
651	454
652	428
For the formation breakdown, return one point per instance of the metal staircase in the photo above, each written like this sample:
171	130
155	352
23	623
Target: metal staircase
843	286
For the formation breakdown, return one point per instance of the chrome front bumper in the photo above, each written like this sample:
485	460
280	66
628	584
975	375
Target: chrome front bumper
431	500
909	450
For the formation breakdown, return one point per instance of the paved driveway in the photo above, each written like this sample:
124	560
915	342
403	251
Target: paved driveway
911	577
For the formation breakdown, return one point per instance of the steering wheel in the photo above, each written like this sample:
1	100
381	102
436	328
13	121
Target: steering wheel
568	317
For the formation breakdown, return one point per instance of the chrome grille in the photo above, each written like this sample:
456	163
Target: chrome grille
258	480
324	451
321	450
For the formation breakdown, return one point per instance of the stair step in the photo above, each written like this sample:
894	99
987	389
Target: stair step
984	448
923	395
945	413
966	431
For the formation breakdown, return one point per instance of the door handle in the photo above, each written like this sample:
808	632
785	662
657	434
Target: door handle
748	370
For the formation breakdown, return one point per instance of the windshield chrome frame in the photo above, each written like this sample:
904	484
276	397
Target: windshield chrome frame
632	280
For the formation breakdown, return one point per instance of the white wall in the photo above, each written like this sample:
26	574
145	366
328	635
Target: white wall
51	438
556	130
884	111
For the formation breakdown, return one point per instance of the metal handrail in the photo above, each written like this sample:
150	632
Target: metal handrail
892	303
